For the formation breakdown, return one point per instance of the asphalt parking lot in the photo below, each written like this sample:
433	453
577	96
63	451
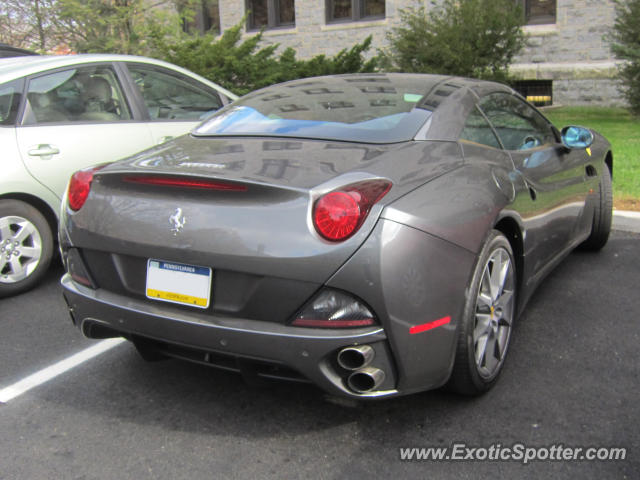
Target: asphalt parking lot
571	379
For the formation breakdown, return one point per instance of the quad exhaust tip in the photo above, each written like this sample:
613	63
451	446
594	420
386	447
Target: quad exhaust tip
365	380
355	357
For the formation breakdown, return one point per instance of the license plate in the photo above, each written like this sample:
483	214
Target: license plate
178	283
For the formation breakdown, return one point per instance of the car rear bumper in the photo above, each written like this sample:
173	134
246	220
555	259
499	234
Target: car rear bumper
252	347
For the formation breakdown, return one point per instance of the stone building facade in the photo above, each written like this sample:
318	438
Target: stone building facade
566	60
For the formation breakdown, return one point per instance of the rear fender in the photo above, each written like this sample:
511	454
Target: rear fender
412	279
460	207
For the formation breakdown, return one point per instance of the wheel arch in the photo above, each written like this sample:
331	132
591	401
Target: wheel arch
608	161
43	207
510	228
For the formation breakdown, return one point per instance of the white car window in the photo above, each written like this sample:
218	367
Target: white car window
83	94
171	96
9	101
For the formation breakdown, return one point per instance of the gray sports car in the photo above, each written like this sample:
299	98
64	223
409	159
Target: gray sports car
374	234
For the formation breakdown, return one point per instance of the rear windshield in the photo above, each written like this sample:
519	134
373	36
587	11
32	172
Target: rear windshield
372	109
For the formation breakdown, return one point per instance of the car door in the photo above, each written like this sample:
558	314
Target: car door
175	103
73	118
554	176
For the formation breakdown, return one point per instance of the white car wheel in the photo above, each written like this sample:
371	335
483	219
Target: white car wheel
26	246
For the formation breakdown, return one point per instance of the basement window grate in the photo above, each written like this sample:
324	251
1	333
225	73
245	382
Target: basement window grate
537	92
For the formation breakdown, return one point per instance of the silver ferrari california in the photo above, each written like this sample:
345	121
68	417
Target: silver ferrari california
375	234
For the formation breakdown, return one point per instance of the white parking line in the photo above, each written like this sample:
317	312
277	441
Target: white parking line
627	221
46	374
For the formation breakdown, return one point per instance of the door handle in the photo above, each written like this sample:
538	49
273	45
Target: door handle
44	151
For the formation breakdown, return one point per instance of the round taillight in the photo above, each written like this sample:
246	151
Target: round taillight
339	214
79	187
336	215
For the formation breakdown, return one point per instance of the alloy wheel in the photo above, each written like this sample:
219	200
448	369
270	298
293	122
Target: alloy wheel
494	313
20	248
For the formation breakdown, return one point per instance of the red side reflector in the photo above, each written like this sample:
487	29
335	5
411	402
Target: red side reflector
186	183
429	326
80	279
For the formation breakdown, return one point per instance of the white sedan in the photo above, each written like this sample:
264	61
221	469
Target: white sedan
59	114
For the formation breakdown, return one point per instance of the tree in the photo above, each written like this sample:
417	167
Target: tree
93	26
28	24
234	64
345	61
626	46
242	65
472	38
116	26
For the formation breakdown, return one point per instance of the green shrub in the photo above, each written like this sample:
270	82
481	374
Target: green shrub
626	46
242	65
472	38
227	61
346	61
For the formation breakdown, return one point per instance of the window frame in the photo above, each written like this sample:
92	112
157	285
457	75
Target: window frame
357	8
538	19
273	12
202	22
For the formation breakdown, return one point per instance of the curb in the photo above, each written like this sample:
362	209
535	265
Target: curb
626	221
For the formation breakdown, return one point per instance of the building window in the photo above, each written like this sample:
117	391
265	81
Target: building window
270	14
354	10
204	17
537	92
539	12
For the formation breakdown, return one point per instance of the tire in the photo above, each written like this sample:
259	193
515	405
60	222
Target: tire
485	330
26	247
602	215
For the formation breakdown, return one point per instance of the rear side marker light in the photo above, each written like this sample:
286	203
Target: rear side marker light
429	325
339	214
186	183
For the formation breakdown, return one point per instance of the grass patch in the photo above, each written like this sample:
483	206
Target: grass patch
623	131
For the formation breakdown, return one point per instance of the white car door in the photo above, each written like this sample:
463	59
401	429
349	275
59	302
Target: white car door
176	103
74	118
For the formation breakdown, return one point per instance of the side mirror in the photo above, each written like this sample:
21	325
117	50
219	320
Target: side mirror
576	137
